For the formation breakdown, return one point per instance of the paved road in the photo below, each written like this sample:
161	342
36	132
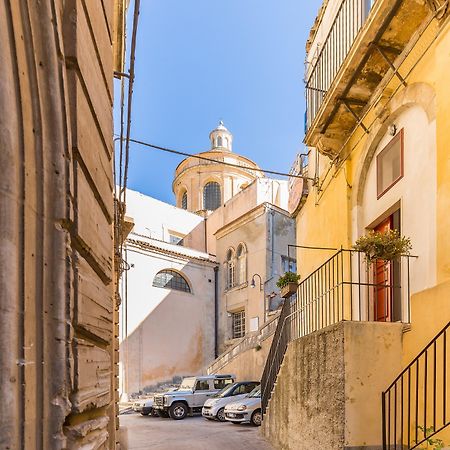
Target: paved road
192	433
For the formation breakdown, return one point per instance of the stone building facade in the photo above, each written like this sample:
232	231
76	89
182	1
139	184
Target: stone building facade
377	109
57	335
228	238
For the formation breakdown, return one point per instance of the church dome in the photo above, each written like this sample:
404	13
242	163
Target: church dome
202	185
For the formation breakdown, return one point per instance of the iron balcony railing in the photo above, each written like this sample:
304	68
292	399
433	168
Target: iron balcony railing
323	68
345	287
415	407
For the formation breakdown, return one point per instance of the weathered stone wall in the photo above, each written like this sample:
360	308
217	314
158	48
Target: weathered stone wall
329	386
56	270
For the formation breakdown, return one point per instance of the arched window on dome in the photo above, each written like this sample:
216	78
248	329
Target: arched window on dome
211	196
230	269
170	279
184	200
219	141
241	264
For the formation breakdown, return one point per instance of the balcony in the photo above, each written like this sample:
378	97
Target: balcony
364	50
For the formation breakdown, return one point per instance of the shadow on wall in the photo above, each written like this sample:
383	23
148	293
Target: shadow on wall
176	338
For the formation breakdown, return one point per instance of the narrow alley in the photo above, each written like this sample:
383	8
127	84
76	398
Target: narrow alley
193	433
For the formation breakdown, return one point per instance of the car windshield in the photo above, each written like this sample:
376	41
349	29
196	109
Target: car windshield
255	393
225	391
187	384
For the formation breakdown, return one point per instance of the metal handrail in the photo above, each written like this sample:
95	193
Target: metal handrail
339	289
417	403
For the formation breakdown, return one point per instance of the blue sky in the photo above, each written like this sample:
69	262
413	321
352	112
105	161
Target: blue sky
199	61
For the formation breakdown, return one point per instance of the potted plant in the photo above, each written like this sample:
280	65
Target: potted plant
288	284
383	245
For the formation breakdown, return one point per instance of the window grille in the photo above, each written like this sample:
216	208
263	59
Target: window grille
184	200
238	324
211	196
170	279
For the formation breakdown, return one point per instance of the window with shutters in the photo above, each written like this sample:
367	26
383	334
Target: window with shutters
241	261
230	267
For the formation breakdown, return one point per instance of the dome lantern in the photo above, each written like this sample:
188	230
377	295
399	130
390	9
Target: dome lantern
221	138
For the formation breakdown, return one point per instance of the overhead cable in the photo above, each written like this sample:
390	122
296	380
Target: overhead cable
215	161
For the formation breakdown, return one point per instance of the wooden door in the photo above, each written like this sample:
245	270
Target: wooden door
382	279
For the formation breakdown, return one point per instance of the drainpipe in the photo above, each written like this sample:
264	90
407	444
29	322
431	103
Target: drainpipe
216	311
205	222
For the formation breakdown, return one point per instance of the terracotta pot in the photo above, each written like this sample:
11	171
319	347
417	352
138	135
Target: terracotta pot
289	290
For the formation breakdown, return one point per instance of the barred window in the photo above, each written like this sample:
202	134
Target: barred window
238	324
230	269
184	200
170	279
241	258
211	196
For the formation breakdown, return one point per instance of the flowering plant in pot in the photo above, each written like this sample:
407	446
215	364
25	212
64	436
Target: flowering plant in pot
288	283
383	245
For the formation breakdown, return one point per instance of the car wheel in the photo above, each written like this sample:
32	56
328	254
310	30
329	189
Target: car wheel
162	414
144	413
256	418
221	415
178	411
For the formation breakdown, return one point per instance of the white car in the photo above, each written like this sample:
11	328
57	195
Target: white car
214	407
248	410
144	406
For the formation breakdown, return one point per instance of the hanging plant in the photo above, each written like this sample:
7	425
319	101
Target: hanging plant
288	277
384	245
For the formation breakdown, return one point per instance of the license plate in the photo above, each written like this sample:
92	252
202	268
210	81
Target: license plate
232	414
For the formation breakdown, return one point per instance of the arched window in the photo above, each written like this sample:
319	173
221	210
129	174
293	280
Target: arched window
170	279
230	269
219	141
241	258
225	142
184	200
211	196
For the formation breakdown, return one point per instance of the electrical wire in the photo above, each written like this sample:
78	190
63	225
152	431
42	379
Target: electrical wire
193	155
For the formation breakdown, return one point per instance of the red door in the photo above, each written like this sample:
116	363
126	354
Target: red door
383	282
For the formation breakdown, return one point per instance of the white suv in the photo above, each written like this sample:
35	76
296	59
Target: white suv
190	397
214	407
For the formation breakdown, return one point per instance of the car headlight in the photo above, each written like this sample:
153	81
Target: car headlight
241	408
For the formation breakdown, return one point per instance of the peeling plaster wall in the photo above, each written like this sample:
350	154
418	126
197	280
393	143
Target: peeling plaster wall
329	386
57	347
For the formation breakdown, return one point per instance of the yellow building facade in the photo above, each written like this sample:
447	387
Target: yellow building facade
378	105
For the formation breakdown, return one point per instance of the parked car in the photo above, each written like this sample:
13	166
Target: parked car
190	397
144	406
214	407
247	410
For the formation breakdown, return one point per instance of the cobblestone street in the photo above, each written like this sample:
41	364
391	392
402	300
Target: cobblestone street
194	433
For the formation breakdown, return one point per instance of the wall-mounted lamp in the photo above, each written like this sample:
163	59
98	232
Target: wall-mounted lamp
392	130
253	284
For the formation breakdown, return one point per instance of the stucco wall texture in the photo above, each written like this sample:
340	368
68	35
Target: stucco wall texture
57	350
329	384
